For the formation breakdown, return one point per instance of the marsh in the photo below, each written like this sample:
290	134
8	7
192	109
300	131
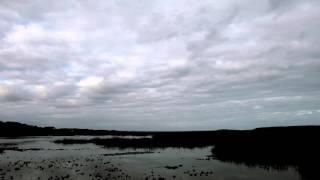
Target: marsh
42	158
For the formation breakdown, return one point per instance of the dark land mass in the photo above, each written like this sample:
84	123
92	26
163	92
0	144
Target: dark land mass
15	129
274	147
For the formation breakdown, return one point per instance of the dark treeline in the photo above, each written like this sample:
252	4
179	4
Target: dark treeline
275	137
15	129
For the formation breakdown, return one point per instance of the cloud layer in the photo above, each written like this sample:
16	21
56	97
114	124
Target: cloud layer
160	65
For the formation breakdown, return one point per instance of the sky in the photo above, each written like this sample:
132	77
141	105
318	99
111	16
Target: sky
160	64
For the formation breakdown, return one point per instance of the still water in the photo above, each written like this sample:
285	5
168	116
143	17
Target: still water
41	158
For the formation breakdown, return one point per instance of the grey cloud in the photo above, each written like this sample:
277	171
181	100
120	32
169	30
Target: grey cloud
274	4
174	65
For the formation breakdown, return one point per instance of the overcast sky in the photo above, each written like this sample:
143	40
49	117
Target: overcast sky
160	65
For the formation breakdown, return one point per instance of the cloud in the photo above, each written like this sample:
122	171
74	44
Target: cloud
91	81
171	65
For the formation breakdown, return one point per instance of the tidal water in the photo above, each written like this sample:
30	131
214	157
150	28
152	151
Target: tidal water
41	158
